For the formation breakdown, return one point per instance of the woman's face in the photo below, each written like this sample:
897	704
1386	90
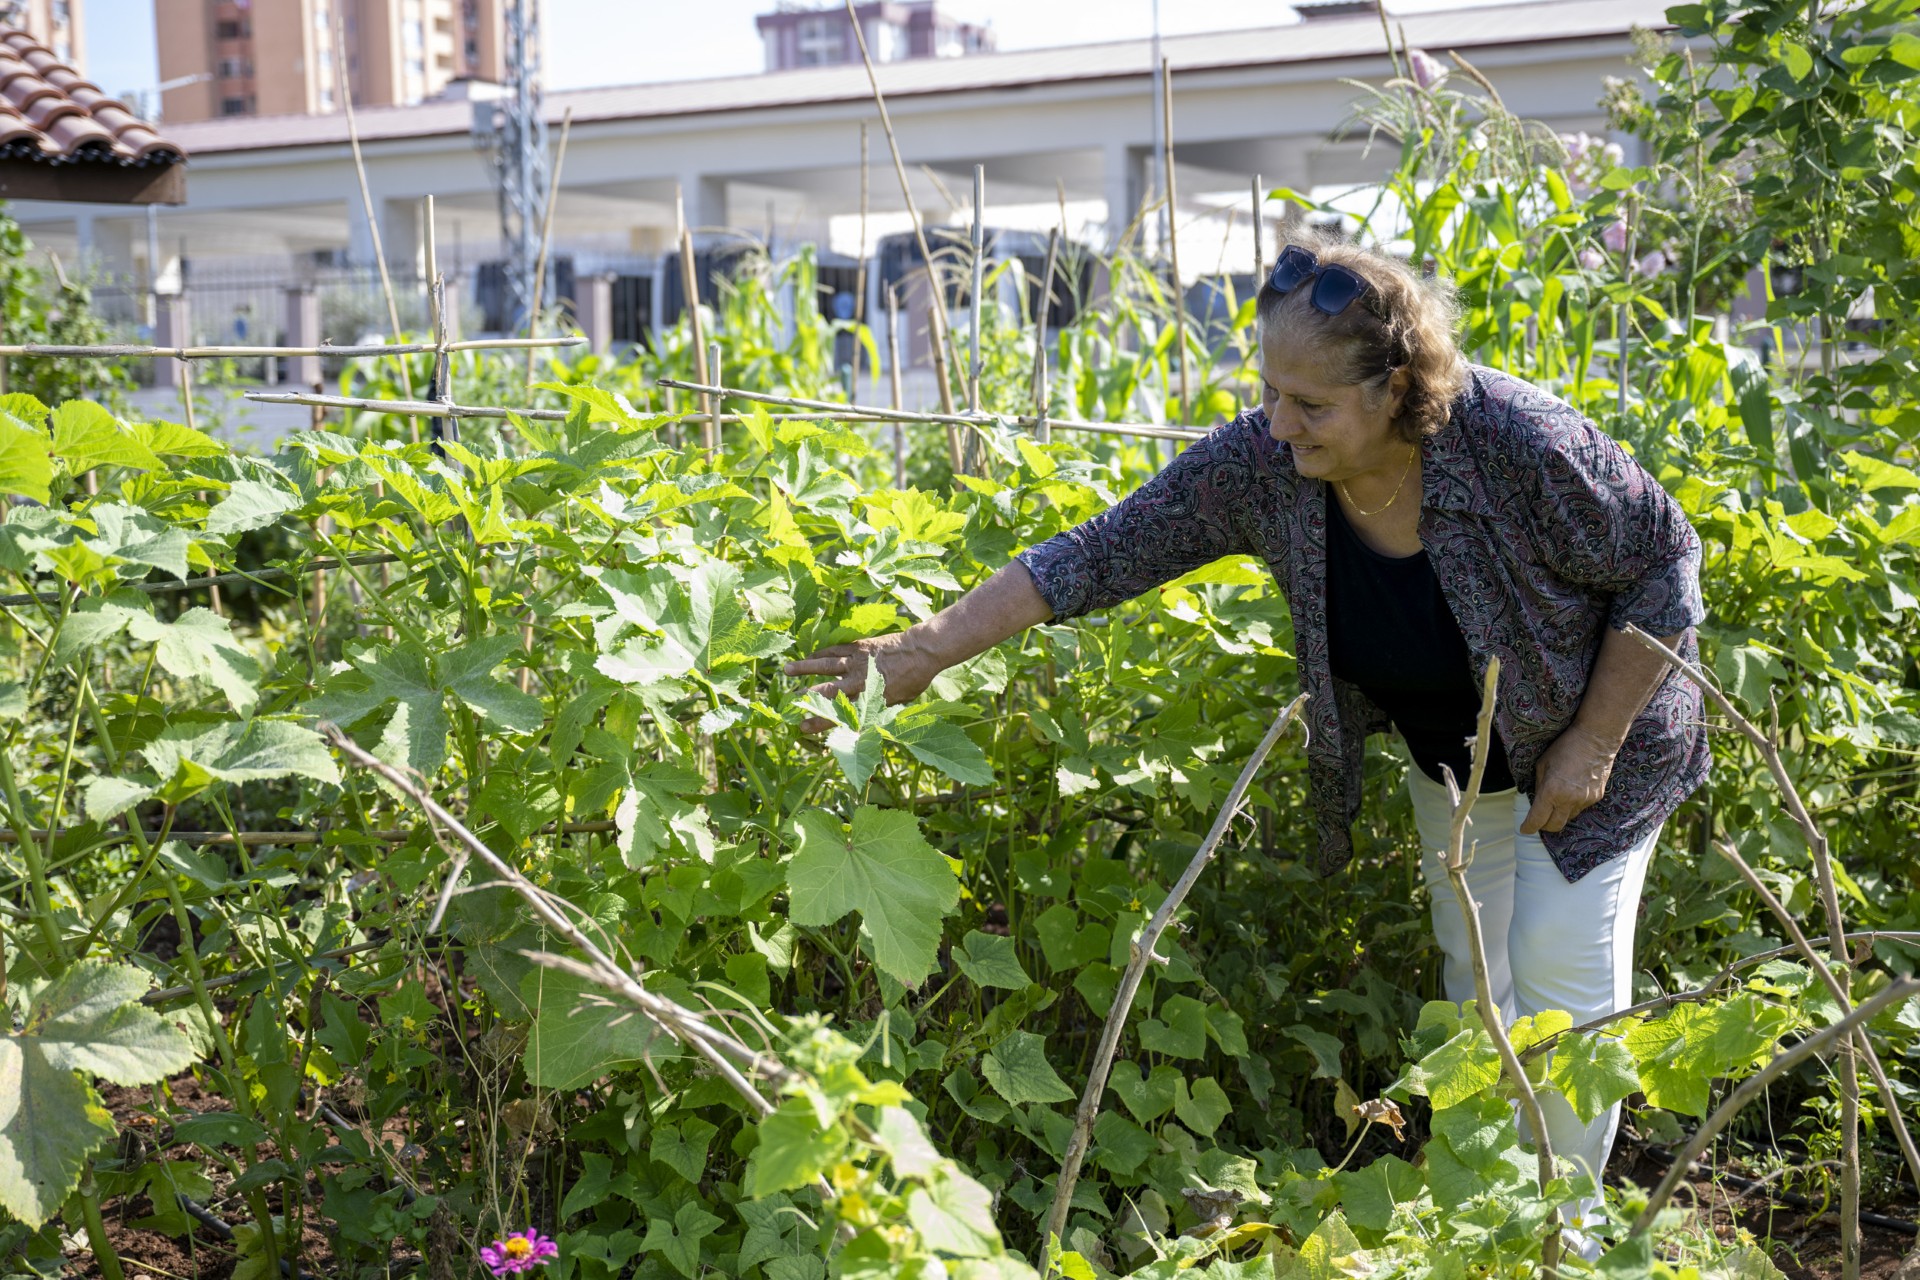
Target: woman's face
1336	431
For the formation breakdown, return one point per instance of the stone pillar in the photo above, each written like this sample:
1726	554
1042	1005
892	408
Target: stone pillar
303	330
706	201
593	311
174	329
403	235
1123	180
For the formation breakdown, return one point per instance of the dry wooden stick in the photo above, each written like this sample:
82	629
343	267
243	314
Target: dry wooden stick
1754	1085
712	431
1459	858
1042	429
211	580
1836	933
690	286
1840	994
287	839
1141	953
1173	236
873	413
893	379
546	234
136	351
1259	235
860	276
942	329
690	1028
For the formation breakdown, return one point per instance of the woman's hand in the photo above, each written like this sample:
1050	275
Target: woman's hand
1004	605
1571	776
906	668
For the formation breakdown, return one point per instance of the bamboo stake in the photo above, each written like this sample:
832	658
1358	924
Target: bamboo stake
439	386
1140	952
825	413
1173	237
690	286
712	432
546	234
860	277
893	378
133	351
979	241
941	327
1042	430
366	199
1259	234
956	456
212	580
1459	857
871	413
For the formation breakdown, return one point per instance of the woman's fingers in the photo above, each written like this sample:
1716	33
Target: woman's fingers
832	661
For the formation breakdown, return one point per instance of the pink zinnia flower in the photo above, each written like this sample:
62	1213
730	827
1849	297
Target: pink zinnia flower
1427	70
1592	259
1615	236
1651	265
522	1251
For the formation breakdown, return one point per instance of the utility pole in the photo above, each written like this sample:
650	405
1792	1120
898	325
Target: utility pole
513	132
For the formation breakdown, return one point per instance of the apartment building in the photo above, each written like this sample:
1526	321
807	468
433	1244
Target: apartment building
812	33
299	57
56	24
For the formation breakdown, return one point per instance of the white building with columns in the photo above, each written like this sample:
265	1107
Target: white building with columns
778	155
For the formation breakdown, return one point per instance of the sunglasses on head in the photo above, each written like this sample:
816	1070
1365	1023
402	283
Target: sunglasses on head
1335	288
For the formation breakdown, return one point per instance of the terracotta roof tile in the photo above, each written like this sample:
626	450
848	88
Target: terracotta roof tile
50	112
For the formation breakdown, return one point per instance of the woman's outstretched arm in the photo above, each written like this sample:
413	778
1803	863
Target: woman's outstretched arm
1002	606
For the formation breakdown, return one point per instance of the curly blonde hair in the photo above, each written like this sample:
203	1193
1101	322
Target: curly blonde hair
1404	322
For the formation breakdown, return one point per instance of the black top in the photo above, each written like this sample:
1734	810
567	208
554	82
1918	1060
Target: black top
1391	632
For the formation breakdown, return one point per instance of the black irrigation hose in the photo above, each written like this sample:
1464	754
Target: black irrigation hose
1781	1196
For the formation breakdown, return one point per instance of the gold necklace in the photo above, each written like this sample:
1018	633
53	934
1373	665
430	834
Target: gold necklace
1412	453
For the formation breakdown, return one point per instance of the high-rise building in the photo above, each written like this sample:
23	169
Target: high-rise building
279	57
819	34
54	23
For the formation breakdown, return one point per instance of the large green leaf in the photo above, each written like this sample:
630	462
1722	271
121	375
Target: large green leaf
880	866
990	960
199	645
1018	1070
250	504
86	436
1593	1071
794	1149
1370	1195
50	1122
190	758
578	1035
88	1019
943	745
25	469
954	1215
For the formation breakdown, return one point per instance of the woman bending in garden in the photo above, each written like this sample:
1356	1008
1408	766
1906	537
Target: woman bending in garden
1422	517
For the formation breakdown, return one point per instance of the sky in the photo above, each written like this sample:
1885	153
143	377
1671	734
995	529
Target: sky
596	42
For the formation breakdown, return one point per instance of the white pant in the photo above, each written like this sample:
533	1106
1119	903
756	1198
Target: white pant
1550	944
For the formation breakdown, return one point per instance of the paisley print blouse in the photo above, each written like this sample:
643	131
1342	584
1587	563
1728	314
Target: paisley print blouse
1542	531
